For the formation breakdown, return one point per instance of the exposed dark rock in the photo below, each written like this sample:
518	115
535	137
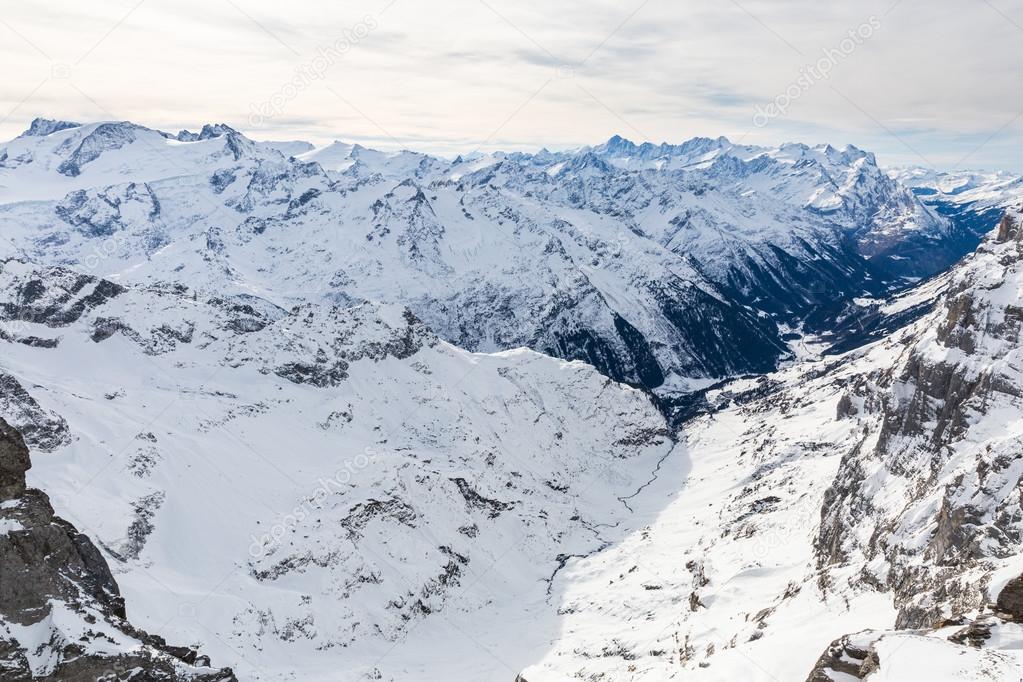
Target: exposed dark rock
47	564
1009	229
221	180
14	462
42	429
362	514
844	657
54	297
493	508
40	127
106	136
1010	599
975	634
845	407
321	375
101	214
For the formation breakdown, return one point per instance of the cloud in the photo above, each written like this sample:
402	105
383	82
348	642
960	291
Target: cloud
445	75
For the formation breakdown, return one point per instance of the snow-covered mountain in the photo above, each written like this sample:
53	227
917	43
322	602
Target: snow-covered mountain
971	200
315	489
984	190
298	492
286	401
876	493
665	266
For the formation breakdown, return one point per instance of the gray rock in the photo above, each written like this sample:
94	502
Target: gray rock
1010	599
846	658
14	462
45	561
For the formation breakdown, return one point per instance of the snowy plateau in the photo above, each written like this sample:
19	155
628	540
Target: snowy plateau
705	411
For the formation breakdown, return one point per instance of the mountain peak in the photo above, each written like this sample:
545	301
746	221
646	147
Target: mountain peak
617	145
41	127
216	130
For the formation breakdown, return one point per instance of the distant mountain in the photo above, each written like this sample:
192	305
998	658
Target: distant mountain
983	189
971	200
667	266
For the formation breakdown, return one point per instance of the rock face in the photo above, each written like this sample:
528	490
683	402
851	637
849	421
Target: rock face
845	658
40	127
1010	600
14	462
61	613
952	462
962	651
938	405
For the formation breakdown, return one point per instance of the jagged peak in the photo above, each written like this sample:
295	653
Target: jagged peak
410	191
620	146
41	127
617	143
587	159
1010	228
216	130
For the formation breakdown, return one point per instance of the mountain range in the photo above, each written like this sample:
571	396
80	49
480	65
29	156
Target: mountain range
632	411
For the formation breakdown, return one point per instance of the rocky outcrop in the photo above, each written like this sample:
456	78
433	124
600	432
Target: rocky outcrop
40	127
1009	601
964	642
14	462
847	657
42	429
105	137
930	503
52	297
61	614
1009	229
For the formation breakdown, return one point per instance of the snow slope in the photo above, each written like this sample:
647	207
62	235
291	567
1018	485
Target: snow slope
335	493
62	617
322	493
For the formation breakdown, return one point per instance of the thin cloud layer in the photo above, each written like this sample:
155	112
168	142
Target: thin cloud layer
932	84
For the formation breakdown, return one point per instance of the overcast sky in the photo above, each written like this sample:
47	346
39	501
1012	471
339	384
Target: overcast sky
918	82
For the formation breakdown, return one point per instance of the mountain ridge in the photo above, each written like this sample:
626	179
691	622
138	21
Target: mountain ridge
622	255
